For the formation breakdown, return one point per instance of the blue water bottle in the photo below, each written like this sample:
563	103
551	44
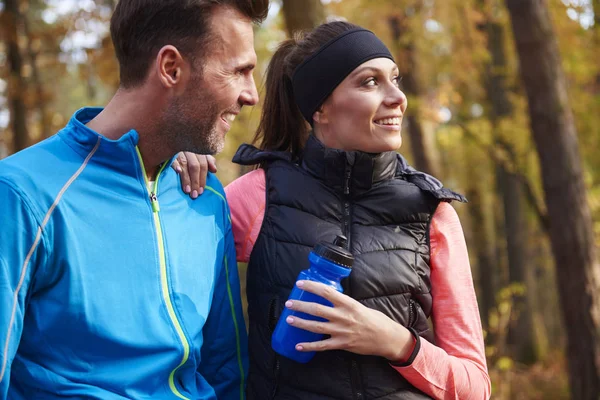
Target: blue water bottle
329	264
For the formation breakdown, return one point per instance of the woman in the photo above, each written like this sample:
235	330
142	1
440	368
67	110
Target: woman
327	138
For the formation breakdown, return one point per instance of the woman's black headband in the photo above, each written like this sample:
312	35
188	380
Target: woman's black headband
321	73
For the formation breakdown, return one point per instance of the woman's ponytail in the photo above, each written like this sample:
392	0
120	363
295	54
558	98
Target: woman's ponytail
282	126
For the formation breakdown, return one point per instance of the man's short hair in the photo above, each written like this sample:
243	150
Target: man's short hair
140	28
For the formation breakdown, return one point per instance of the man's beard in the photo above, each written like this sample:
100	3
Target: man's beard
191	125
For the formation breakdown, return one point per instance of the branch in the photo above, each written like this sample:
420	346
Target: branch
537	207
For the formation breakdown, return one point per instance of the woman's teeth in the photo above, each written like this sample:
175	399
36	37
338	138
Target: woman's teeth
388	121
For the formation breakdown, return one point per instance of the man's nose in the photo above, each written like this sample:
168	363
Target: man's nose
249	95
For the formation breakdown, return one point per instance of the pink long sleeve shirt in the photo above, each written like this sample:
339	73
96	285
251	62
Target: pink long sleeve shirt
455	368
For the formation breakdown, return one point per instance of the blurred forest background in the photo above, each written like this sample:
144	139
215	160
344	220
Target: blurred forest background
504	106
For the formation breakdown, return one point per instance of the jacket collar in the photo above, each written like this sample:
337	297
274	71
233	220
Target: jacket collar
119	155
83	139
347	171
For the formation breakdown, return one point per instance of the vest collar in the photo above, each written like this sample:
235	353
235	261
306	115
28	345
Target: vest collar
347	171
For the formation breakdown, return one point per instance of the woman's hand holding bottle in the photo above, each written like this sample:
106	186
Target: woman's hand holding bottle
351	326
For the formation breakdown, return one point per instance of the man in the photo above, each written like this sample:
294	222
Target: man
114	284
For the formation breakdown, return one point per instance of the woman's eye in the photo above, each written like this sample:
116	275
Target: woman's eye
370	82
397	80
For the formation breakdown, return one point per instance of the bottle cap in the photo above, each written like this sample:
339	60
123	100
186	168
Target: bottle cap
335	252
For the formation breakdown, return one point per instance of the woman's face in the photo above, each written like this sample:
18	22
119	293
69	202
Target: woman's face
365	111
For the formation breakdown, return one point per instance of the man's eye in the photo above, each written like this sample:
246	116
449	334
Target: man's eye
245	71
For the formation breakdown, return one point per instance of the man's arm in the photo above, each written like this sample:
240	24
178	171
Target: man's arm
225	348
22	249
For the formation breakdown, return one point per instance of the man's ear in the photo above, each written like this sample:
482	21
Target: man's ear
170	65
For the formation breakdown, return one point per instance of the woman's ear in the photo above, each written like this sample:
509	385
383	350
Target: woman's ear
320	116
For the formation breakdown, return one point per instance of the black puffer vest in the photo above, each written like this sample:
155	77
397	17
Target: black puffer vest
384	208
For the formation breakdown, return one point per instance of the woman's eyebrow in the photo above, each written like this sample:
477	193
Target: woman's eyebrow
360	70
374	70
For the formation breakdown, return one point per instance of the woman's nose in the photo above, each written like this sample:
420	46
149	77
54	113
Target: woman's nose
397	98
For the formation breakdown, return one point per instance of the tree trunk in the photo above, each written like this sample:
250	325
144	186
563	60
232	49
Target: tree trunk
16	88
521	337
40	97
484	250
482	230
407	62
596	9
302	15
571	235
495	79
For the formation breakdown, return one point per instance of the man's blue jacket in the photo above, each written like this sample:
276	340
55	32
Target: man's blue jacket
110	290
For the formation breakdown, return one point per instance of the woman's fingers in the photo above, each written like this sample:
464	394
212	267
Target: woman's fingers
181	166
321	345
176	166
322	327
315	309
203	172
212	164
327	292
194	167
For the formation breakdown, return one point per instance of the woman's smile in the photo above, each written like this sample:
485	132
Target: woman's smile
389	123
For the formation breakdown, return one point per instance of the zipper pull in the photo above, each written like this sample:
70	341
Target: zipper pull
348	174
154	202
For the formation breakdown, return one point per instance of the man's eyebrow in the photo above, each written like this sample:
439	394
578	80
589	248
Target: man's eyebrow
247	66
